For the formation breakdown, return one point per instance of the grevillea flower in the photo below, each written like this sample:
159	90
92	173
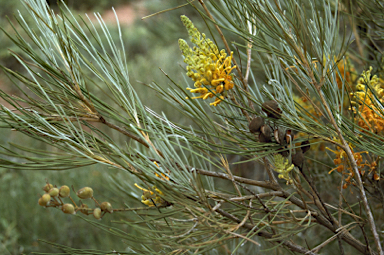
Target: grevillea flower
346	72
343	166
368	97
208	67
151	198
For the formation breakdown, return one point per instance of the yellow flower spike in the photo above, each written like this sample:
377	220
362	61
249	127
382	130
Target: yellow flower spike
206	65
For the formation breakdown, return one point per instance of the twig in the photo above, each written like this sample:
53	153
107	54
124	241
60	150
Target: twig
290	245
272	177
263	184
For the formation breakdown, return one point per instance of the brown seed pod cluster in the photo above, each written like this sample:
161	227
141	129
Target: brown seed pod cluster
266	132
281	136
54	196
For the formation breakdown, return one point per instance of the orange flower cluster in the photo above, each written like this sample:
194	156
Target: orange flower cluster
343	166
346	71
369	94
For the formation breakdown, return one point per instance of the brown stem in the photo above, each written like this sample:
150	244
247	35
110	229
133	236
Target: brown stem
263	184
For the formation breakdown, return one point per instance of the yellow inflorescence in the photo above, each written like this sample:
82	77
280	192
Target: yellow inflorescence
208	67
150	198
368	92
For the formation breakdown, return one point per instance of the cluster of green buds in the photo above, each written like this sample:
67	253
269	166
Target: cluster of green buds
283	167
54	196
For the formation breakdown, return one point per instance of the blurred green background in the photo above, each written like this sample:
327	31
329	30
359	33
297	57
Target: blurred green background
150	44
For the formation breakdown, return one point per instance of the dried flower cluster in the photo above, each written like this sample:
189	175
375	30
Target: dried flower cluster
53	198
208	67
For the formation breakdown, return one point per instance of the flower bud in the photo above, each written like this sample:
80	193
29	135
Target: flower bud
64	191
97	213
54	192
44	200
68	209
83	209
47	187
85	193
105	206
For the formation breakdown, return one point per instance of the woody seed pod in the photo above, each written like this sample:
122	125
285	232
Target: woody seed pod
272	109
105	206
266	130
264	139
64	191
298	159
47	187
256	124
54	192
44	200
68	209
97	213
85	193
280	136
305	146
